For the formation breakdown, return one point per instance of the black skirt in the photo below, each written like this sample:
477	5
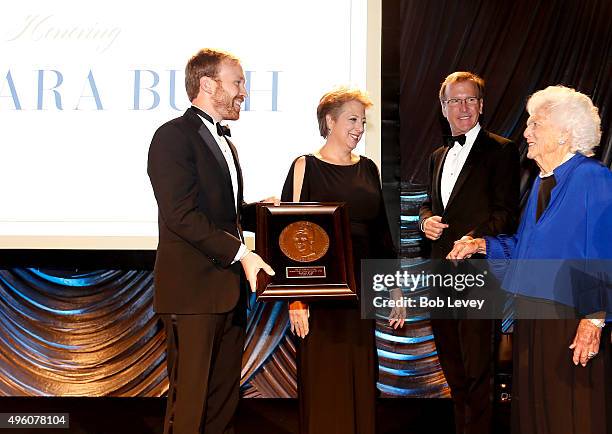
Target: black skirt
550	394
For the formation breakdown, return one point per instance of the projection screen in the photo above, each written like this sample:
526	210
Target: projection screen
83	88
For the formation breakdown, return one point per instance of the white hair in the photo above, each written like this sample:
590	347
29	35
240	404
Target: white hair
572	111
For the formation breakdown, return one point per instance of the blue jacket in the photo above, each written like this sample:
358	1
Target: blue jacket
566	256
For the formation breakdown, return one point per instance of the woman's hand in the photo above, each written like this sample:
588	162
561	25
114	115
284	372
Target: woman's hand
466	247
397	316
298	317
586	342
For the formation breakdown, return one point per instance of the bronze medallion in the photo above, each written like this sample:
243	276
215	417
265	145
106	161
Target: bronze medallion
304	241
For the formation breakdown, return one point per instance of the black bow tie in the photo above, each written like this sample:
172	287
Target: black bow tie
222	130
450	140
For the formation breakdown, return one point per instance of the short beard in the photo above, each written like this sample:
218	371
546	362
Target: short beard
224	107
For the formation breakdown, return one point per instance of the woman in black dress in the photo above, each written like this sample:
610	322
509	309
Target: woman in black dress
337	364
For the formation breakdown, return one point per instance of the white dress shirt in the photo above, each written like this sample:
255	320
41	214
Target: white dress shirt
454	162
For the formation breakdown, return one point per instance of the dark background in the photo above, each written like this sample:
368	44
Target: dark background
518	47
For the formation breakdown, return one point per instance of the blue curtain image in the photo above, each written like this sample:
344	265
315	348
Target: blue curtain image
95	334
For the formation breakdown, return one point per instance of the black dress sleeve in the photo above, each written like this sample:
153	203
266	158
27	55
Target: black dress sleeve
287	193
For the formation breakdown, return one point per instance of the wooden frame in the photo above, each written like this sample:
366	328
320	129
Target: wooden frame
329	277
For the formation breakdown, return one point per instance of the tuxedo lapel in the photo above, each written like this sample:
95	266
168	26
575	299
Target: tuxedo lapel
467	167
437	179
212	144
213	147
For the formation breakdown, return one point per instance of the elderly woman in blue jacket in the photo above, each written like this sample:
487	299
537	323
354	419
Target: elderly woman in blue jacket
568	216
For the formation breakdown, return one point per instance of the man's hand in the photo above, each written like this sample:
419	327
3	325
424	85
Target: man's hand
272	199
466	247
586	342
252	263
433	227
298	317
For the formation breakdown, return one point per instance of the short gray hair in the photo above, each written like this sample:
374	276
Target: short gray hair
574	112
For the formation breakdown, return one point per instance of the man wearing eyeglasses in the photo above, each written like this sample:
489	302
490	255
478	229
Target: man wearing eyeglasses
473	191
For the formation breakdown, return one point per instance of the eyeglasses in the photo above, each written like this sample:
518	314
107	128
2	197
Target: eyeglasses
454	102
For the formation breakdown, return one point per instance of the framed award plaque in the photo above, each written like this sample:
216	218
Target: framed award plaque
308	244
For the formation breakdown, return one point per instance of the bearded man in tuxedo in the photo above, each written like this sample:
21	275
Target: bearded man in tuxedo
202	260
473	191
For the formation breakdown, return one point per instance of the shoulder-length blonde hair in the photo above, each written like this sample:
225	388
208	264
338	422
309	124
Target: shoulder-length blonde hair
332	101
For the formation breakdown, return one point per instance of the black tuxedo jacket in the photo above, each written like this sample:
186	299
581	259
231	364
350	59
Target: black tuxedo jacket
199	228
485	198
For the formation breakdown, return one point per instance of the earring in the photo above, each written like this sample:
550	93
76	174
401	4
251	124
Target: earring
562	141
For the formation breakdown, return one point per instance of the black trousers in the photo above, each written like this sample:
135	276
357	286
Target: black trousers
465	351
204	363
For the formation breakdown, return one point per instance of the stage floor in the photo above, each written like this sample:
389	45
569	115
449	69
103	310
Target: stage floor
255	416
